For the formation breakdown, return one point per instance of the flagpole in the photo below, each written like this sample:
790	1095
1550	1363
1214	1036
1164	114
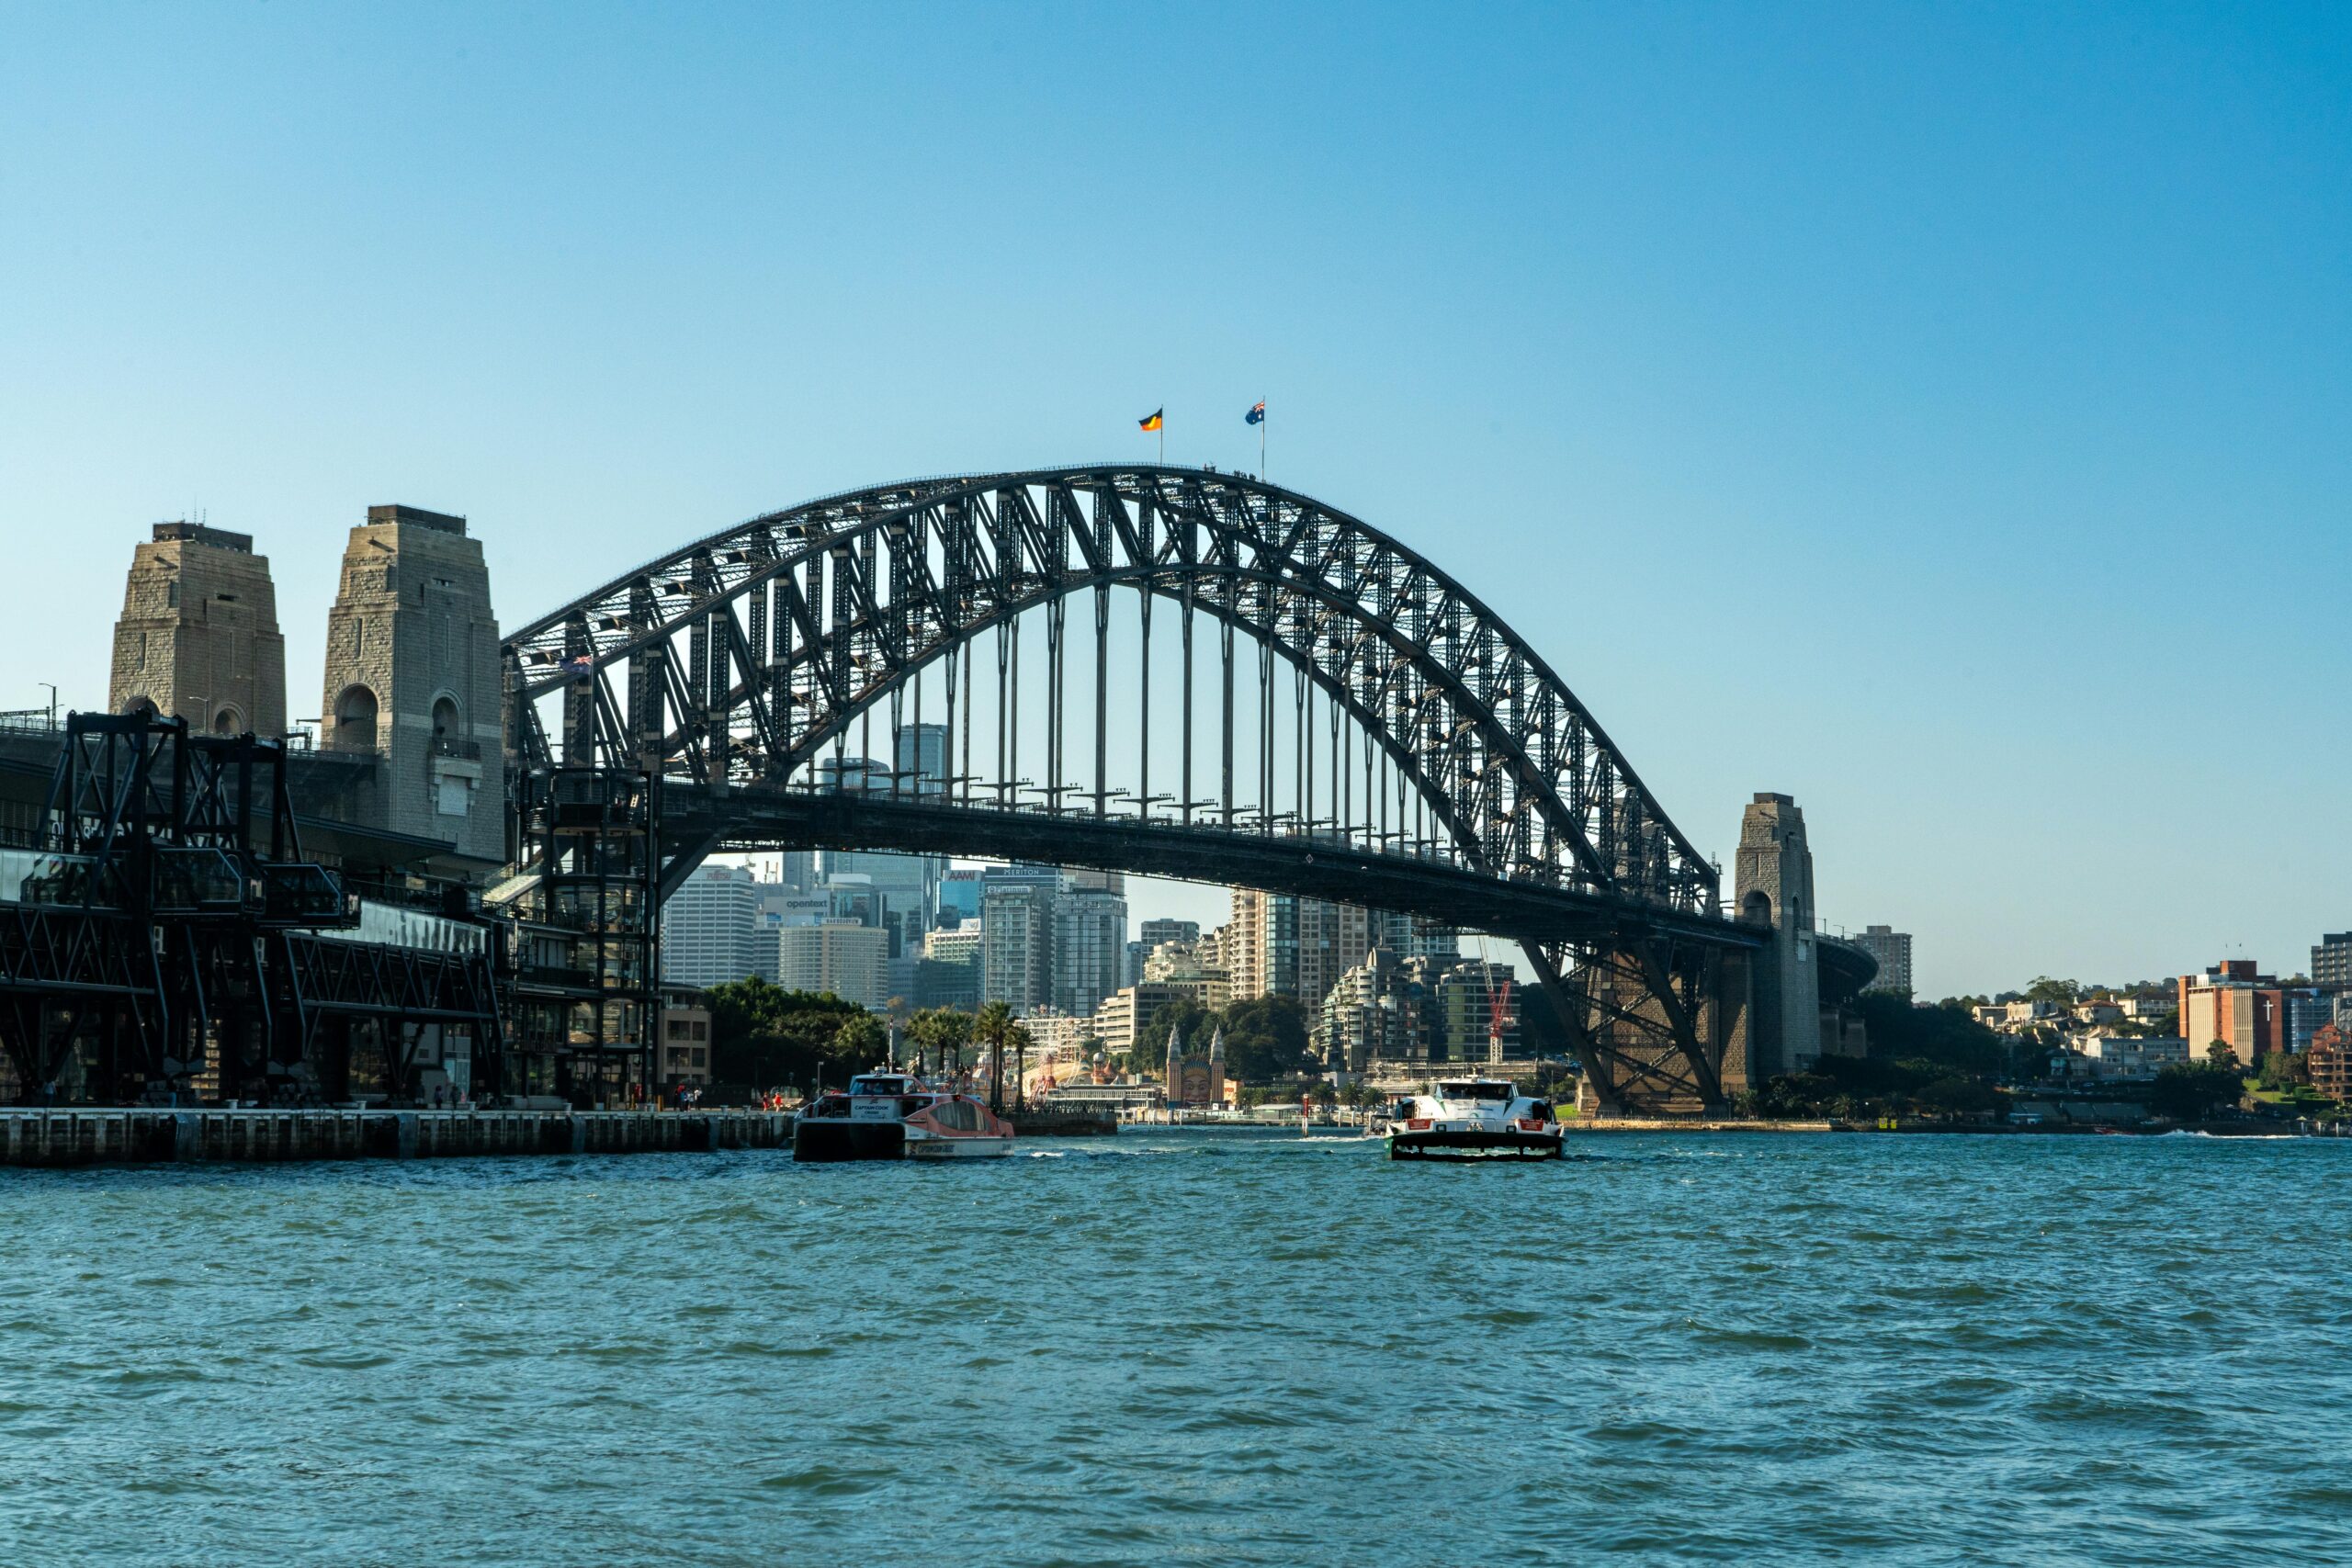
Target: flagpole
1261	441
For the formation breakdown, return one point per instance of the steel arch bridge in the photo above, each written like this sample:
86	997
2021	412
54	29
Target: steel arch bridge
1395	745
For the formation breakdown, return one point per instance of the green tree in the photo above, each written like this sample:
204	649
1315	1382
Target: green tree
1265	1038
1953	1095
2283	1071
1021	1040
2064	993
1945	1035
2191	1094
1147	1058
2222	1054
862	1042
942	1036
765	1037
993	1029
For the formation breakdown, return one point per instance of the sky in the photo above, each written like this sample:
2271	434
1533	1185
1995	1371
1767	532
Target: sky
1943	415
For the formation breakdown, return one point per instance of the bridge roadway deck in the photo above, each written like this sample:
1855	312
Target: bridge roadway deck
750	819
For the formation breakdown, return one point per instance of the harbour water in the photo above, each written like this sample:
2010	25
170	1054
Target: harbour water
1190	1346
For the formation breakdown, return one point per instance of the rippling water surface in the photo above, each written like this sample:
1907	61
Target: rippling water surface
1191	1348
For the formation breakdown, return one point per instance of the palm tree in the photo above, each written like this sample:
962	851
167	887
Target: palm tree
1020	1065
994	1028
859	1039
940	1034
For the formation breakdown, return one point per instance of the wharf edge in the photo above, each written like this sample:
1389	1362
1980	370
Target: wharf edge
160	1135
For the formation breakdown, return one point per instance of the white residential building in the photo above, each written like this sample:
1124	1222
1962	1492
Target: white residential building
1892	948
2131	1056
1089	946
1017	908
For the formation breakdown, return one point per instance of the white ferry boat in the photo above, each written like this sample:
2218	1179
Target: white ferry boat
897	1116
1473	1119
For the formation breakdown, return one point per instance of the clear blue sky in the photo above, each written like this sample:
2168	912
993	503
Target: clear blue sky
1939	414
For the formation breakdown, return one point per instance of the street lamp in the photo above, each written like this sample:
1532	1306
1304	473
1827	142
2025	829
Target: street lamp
52	701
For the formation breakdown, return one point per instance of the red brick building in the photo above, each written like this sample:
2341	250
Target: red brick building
2331	1062
2232	1003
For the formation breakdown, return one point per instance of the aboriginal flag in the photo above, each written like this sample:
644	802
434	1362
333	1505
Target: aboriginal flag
1153	421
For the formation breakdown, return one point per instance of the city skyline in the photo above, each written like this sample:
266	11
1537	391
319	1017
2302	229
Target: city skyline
1951	425
1721	629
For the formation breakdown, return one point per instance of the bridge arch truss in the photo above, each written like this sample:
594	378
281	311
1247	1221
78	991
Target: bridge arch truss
1392	720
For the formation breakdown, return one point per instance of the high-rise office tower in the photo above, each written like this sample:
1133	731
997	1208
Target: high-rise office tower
1090	947
710	930
1017	930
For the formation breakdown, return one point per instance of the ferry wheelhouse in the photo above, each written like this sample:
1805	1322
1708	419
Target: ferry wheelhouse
897	1116
1464	1119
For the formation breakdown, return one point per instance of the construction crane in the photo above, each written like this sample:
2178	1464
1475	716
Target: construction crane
1497	1018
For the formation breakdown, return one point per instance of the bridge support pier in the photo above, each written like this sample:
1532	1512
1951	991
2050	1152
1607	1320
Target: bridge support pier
1773	886
1645	1021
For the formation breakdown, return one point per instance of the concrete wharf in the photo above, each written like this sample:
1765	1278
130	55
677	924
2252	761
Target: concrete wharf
158	1136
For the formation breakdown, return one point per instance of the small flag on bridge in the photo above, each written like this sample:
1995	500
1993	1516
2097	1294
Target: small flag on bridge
1153	421
1257	414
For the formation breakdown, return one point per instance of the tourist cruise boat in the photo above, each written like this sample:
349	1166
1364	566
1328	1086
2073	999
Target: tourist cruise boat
1473	1119
897	1116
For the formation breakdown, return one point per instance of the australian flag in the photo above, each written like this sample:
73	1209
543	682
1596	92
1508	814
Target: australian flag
1257	414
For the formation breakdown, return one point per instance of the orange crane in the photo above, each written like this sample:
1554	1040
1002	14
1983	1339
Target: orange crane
1498	1016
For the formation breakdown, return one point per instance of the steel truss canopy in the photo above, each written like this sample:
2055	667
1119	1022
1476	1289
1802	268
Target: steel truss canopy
737	660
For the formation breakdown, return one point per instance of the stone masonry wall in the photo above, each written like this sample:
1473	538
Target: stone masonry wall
198	637
1775	865
412	675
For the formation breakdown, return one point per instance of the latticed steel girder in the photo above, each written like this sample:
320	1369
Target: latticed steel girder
739	658
72	959
1643	1015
